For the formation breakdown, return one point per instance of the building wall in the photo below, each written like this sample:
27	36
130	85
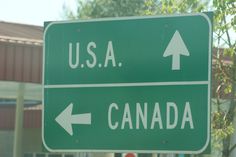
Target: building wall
6	143
32	118
20	62
32	141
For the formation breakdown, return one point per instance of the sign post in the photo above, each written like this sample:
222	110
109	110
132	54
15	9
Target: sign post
128	84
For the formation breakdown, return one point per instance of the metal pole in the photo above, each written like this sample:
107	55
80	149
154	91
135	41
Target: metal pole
103	155
17	147
154	155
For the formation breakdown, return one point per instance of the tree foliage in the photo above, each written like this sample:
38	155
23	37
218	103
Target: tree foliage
225	73
155	7
117	8
106	8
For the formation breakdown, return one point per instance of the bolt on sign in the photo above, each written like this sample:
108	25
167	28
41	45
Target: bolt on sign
139	84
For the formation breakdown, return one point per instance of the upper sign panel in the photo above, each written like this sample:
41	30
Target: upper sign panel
155	49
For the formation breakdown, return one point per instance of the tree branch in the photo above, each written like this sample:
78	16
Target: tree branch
227	32
232	148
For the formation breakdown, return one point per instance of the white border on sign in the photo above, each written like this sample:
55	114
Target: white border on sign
208	82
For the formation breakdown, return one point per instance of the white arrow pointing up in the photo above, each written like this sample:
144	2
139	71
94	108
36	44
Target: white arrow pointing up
176	47
65	119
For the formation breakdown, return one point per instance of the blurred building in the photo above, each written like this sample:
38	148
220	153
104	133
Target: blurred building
21	64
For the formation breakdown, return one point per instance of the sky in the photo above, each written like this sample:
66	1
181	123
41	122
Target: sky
33	12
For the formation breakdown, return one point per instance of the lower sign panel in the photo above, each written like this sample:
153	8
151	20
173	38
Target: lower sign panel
127	119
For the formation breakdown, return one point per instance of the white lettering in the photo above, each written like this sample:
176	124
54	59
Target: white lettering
119	117
110	55
73	66
126	117
187	117
92	54
111	126
168	123
156	117
141	115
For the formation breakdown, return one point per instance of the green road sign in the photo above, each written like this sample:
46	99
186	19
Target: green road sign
128	84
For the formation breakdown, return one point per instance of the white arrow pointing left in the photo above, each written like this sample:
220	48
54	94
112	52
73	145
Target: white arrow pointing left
65	119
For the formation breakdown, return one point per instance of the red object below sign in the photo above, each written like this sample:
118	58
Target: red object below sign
130	155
